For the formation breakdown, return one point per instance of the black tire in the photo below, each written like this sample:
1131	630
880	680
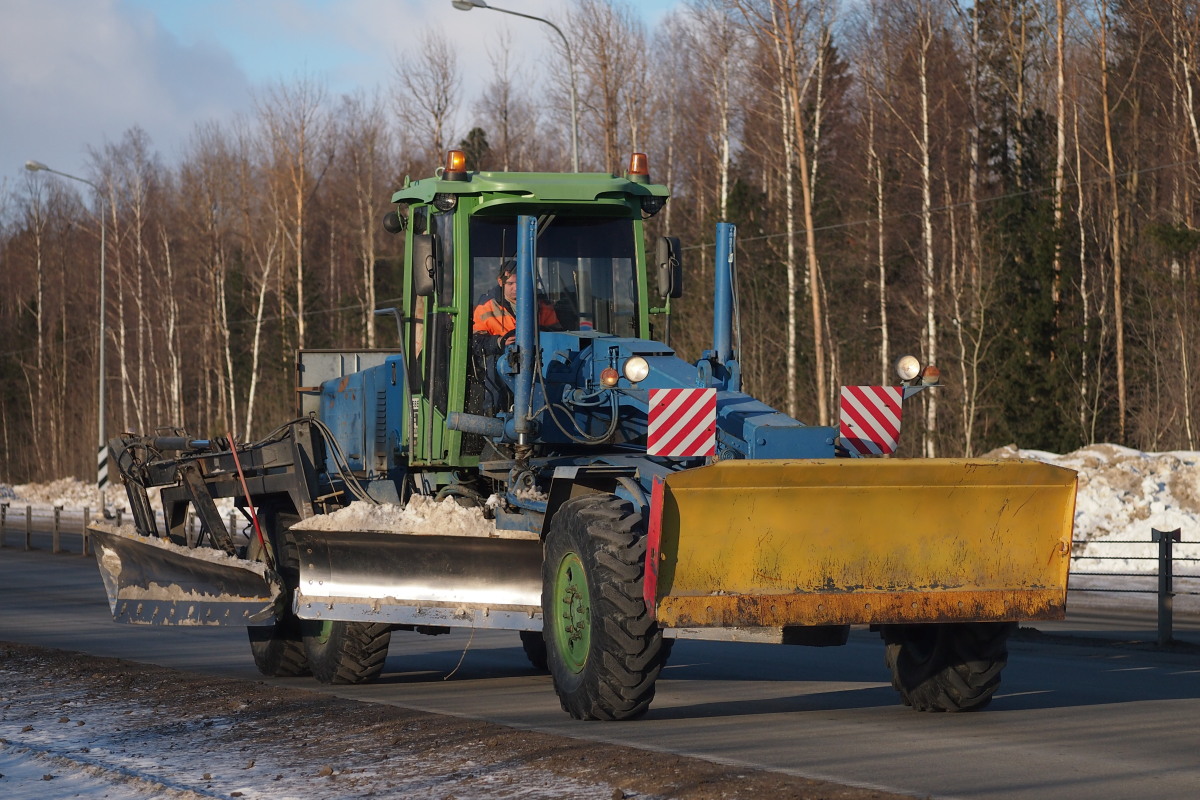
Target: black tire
346	652
603	649
950	667
534	645
278	648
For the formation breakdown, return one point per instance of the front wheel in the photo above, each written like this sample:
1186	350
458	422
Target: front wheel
947	667
603	648
346	652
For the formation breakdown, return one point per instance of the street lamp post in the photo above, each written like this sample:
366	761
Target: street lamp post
102	448
467	5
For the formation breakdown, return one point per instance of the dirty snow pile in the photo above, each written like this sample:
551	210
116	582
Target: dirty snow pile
65	492
421	515
1124	494
71	493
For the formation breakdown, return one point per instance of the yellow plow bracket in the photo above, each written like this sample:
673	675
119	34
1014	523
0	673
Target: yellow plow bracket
773	543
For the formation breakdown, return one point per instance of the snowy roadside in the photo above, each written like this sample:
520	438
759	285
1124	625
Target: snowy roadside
80	726
1124	494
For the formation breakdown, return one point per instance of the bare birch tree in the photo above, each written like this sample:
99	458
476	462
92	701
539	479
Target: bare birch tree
781	26
426	96
366	147
608	38
295	126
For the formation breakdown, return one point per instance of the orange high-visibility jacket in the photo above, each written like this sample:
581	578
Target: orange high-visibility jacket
496	318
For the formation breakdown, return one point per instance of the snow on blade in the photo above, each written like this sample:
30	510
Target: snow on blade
208	554
422	515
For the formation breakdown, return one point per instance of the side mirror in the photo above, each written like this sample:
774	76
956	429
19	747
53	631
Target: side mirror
670	267
393	223
425	256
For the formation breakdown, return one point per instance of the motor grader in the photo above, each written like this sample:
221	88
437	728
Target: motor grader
627	497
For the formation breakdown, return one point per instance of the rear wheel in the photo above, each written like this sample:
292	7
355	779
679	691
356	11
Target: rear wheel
951	667
603	649
534	645
346	652
278	648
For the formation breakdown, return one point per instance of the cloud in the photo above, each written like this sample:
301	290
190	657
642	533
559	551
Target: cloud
75	74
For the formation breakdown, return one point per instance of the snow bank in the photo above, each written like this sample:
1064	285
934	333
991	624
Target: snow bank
1124	494
65	492
73	493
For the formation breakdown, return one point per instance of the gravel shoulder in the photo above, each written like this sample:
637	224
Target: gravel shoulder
147	731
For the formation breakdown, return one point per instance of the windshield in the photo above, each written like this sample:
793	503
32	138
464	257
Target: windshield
585	268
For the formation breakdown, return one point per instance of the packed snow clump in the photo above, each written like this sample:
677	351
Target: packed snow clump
422	515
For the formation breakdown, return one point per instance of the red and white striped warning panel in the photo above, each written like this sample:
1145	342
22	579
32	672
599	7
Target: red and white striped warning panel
683	423
871	419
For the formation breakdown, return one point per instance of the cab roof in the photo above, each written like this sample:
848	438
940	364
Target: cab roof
532	186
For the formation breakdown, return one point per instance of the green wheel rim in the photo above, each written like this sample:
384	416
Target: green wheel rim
322	630
573	618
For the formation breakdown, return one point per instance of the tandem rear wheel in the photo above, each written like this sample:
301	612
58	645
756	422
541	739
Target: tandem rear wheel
947	667
346	652
603	648
278	648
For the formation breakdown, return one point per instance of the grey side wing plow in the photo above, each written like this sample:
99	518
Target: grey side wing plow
150	581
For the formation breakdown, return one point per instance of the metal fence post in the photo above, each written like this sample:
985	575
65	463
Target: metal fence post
1165	574
3	521
28	527
87	520
55	535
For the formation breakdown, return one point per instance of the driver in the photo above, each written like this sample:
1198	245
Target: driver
494	327
494	316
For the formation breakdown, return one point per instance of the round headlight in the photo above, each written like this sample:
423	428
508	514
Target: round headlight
636	369
609	376
908	367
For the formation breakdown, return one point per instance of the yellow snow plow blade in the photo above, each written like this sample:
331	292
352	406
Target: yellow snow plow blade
774	543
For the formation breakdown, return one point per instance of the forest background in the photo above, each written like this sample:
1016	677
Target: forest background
1006	188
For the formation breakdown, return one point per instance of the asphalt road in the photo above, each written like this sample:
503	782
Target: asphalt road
1071	720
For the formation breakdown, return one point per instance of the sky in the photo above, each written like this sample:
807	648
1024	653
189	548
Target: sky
76	74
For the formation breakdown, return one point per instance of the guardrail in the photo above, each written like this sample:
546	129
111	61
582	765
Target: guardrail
1165	573
65	525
